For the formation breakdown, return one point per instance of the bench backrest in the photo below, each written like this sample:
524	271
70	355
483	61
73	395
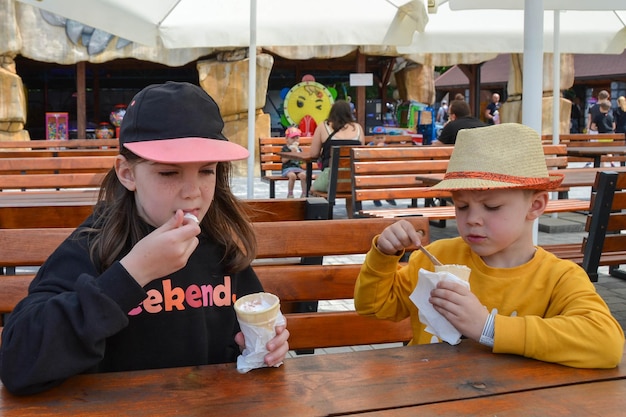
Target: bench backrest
339	178
289	281
60	144
269	158
381	173
56	165
69	208
585	139
606	222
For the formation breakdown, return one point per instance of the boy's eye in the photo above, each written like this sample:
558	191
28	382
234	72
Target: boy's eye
492	208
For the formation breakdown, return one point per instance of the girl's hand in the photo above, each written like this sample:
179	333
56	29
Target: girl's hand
277	347
460	307
397	237
164	251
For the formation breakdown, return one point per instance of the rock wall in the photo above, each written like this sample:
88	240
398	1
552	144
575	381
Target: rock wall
227	83
512	109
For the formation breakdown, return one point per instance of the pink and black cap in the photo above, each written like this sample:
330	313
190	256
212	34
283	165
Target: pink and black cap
177	123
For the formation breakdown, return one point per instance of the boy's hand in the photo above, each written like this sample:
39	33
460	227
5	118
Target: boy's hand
164	251
397	237
460	307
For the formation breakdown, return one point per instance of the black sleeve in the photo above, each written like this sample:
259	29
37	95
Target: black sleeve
59	329
448	134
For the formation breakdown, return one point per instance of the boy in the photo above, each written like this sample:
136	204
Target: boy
522	299
291	167
603	122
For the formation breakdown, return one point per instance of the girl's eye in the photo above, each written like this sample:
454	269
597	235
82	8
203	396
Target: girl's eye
208	171
167	173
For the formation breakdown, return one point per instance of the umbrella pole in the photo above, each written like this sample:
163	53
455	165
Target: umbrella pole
532	72
251	98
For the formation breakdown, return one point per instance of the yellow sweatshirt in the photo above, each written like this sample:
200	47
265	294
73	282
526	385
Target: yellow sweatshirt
547	309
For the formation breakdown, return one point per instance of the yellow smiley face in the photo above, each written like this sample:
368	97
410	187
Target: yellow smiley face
308	97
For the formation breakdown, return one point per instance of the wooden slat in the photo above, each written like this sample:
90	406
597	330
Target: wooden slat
78	180
68	144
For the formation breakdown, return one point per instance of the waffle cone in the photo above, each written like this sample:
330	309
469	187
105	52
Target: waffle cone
460	271
264	315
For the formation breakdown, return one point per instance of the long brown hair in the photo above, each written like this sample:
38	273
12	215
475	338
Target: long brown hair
117	225
340	114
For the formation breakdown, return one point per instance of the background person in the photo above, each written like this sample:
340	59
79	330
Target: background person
291	167
340	129
125	290
521	299
460	118
492	112
619	114
603	95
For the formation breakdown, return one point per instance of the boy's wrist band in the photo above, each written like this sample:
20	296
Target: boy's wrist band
487	336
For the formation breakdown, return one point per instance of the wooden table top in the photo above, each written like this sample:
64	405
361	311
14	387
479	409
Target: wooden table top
343	383
305	155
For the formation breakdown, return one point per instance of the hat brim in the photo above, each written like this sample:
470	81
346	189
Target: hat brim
552	182
182	150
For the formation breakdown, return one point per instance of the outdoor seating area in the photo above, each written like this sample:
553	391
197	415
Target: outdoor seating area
325	330
163	250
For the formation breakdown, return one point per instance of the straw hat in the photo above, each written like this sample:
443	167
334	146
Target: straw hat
508	155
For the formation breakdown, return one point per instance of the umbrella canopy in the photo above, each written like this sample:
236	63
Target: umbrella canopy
202	23
502	31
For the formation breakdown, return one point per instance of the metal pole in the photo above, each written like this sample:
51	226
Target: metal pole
532	90
251	98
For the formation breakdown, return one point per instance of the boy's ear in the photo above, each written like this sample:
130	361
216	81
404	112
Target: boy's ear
539	202
124	173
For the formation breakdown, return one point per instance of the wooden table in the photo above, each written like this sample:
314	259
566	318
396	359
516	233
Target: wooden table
595	152
304	156
379	380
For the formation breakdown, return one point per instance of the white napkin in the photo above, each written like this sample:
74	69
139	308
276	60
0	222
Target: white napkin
436	324
256	339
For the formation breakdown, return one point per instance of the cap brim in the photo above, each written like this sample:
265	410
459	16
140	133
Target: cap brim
181	150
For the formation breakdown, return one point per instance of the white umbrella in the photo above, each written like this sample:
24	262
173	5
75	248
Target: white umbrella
217	23
239	23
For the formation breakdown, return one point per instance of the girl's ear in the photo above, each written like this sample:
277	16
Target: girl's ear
539	202
125	173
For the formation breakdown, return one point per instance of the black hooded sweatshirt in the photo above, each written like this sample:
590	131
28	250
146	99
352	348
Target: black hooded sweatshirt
77	320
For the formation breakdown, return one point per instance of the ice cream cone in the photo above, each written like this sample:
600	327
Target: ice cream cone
259	309
460	271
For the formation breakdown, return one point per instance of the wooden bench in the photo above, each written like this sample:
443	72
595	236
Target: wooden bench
291	282
60	144
271	162
70	208
604	244
54	173
339	185
587	140
380	173
385	173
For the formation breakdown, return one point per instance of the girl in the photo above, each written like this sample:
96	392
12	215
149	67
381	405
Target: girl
141	284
